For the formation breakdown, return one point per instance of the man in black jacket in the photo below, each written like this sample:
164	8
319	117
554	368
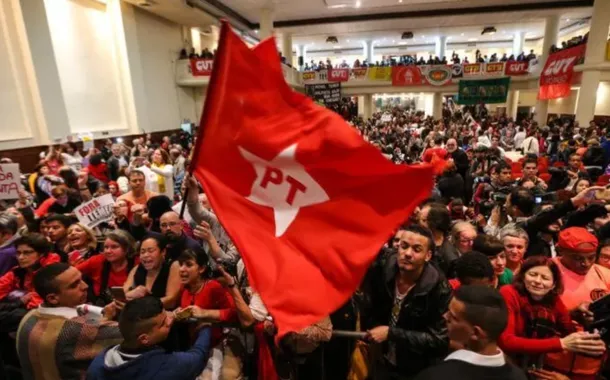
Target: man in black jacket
408	299
460	158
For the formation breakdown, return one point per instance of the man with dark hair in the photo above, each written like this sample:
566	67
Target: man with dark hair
520	206
137	194
437	219
408	299
473	268
530	173
476	317
55	334
8	235
144	325
58	233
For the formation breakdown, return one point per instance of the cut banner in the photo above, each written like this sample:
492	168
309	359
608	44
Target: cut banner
557	76
289	171
486	91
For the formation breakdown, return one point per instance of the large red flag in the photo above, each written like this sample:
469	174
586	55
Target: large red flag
306	200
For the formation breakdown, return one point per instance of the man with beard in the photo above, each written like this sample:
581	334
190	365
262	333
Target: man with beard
171	228
459	157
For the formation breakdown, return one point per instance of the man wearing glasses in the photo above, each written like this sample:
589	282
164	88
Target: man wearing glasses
171	228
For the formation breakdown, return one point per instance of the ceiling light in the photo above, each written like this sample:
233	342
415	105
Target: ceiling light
337	47
472	39
337	6
489	30
400	1
423	36
393	41
568	20
462	34
347	40
402	43
358	4
256	31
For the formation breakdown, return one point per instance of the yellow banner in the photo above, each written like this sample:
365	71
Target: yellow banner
380	73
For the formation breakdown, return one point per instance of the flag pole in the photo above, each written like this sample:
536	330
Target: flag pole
219	64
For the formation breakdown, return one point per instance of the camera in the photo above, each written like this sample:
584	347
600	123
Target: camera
213	272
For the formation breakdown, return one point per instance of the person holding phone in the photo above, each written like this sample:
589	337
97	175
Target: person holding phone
111	268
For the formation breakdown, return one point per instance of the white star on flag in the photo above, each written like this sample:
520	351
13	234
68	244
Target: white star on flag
284	185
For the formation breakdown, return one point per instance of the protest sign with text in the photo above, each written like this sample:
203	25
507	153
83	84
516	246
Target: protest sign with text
96	211
9	181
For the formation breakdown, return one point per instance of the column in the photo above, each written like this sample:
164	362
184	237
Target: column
437	106
367	106
441	44
54	109
287	48
518	43
511	104
368	50
266	23
596	51
551	32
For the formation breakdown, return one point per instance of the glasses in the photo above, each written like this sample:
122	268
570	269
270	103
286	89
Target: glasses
169	224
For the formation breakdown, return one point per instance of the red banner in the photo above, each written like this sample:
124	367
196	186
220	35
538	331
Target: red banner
556	77
494	68
201	67
517	68
338	75
472	69
406	76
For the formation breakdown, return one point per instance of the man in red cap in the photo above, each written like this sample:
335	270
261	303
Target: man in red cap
584	282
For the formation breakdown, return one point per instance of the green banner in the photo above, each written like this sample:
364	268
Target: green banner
483	91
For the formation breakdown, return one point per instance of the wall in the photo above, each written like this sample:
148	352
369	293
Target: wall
85	52
159	43
564	105
602	106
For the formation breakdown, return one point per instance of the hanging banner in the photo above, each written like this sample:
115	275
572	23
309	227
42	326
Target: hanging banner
471	69
201	67
380	73
325	93
494	69
309	76
406	76
457	70
96	211
338	75
517	68
10	181
358	73
556	77
322	76
438	75
485	91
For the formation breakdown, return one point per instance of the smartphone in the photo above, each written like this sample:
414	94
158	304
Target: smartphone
538	200
118	293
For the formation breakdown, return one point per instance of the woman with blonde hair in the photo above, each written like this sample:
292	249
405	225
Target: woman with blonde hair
161	166
462	236
82	243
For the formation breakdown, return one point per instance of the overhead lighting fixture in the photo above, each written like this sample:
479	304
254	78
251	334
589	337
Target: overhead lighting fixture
402	43
358	4
406	36
337	47
400	1
256	31
568	20
337	6
347	40
472	39
489	30
462	34
393	41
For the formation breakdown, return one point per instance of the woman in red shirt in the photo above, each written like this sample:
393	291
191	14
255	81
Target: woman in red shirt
82	243
110	268
33	253
538	321
207	299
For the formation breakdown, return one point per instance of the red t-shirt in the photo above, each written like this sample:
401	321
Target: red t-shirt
212	296
10	282
93	268
439	152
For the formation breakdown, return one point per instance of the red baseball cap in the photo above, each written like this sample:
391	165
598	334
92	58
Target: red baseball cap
577	239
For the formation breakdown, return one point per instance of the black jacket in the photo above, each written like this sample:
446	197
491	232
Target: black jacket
460	158
420	335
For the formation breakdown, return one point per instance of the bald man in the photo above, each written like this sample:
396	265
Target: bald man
171	228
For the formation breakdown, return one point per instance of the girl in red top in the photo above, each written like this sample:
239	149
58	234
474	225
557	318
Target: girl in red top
82	243
110	268
33	252
537	319
207	298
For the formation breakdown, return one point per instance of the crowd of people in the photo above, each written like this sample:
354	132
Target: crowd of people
405	60
502	273
575	41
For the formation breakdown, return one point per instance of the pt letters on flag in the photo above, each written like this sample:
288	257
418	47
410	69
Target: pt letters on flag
556	77
307	202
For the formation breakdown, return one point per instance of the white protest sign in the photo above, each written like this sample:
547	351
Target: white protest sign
10	181
386	117
96	211
87	139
